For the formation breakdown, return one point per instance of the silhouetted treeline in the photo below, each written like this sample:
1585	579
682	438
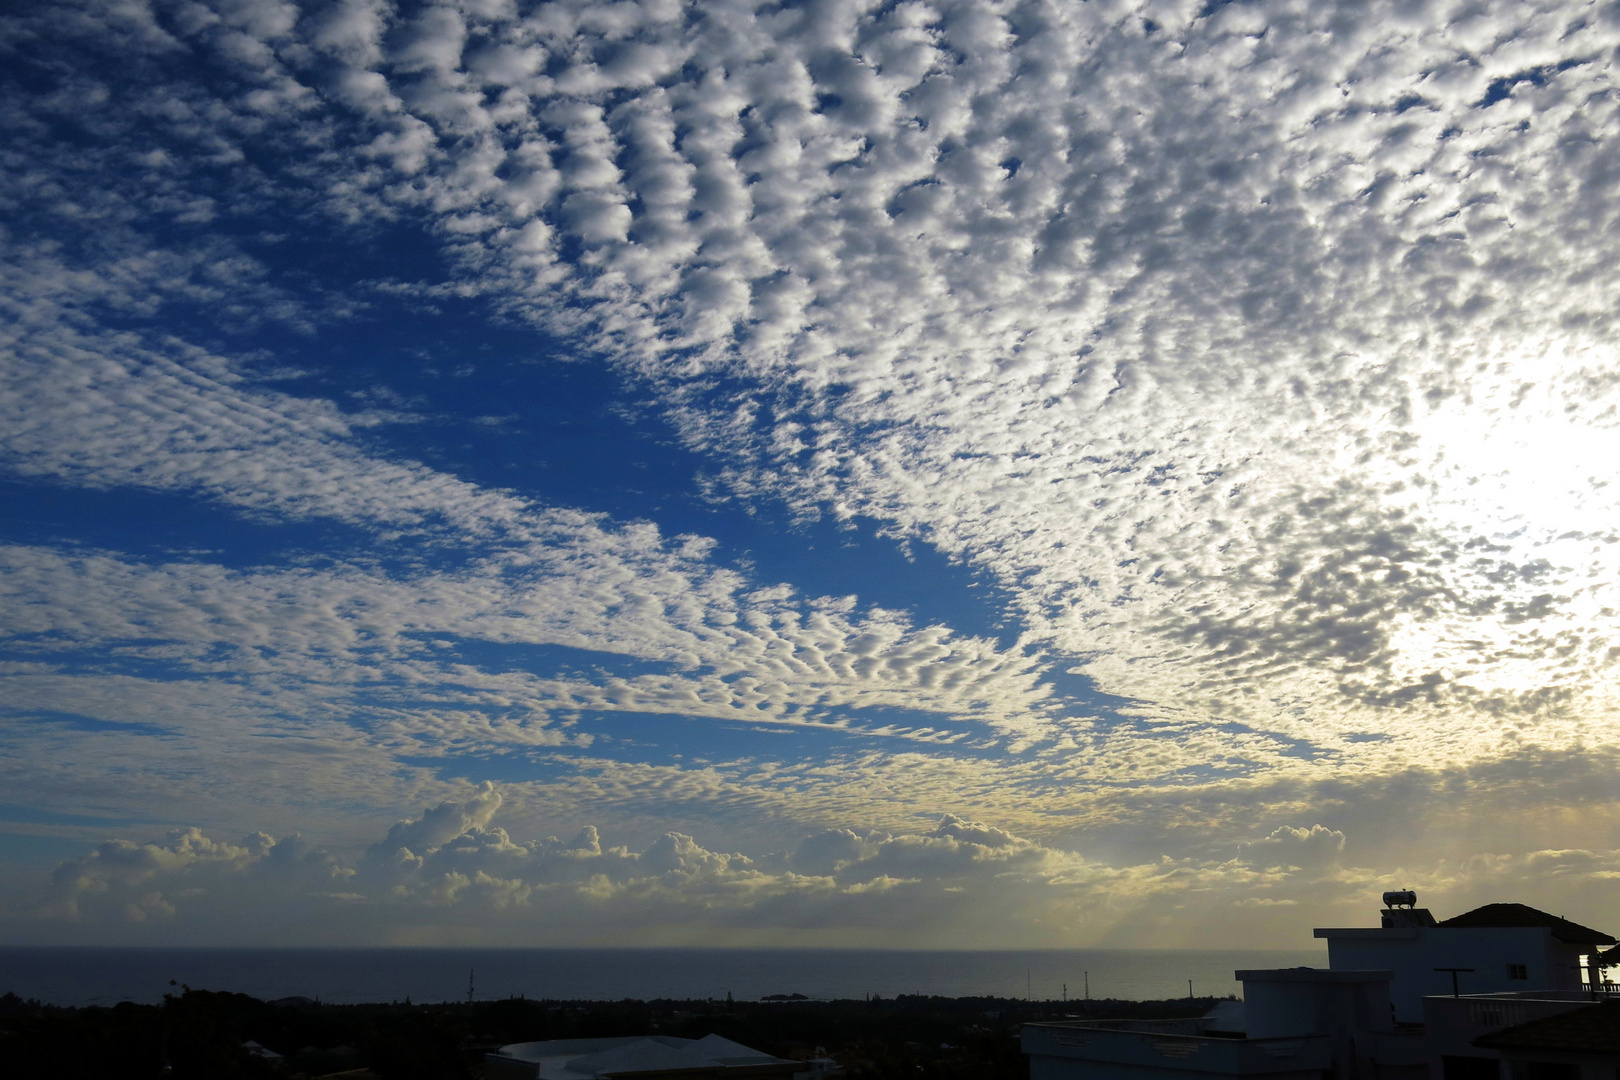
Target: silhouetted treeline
200	1035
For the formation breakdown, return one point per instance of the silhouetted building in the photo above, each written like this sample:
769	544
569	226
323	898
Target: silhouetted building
1299	1024
1399	1001
1495	948
1580	1044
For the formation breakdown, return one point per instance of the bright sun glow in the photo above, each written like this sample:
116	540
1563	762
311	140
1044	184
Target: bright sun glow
1520	477
1524	462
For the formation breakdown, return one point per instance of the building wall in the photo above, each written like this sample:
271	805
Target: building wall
1414	952
1548	1065
1136	1051
1057	1068
1451	1025
497	1067
1336	1009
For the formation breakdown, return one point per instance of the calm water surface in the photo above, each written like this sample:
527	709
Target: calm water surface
99	976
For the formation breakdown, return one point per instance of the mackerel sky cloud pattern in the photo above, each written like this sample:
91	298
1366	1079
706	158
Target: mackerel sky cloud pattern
1178	434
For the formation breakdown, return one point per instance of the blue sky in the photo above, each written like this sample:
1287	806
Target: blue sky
839	473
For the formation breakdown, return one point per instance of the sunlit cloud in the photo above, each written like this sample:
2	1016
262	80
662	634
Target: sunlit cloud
1230	388
452	865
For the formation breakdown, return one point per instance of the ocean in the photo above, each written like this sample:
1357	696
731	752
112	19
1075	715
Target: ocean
105	976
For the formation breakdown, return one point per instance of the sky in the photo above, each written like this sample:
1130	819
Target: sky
977	473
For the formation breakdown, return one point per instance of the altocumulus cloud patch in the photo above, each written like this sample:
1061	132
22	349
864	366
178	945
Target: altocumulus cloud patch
1258	361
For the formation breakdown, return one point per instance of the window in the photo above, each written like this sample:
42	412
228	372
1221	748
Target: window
1518	971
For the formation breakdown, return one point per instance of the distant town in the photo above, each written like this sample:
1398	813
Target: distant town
1502	992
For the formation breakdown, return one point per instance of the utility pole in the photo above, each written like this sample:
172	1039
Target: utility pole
1189	989
1065	993
1088	986
1454	971
469	985
1029	982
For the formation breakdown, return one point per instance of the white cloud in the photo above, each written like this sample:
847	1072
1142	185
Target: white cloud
1177	324
919	887
1315	847
734	653
440	825
1262	357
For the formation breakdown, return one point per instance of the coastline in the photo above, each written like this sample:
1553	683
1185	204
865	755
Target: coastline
89	975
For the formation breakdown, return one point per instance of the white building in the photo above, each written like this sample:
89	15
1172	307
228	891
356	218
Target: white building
1497	948
1387	1008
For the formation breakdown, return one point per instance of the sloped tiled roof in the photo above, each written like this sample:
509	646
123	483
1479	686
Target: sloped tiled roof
1503	915
1594	1029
